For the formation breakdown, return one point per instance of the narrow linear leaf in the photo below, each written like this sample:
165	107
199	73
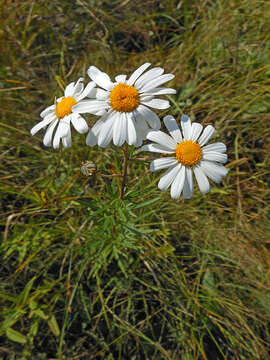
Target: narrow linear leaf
16	336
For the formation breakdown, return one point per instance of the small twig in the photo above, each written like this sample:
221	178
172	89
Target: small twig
109	176
134	180
87	8
179	5
142	159
88	197
14	88
124	173
8	223
72	68
123	3
56	108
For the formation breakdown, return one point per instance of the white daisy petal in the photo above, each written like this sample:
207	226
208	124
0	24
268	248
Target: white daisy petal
66	122
121	78
46	121
137	73
131	131
178	184
196	130
66	140
93	93
157	103
64	126
91	139
206	135
120	130
57	137
160	91
104	117
201	178
106	131
47	140
69	90
214	156
102	94
100	78
89	106
141	129
79	123
151	118
148	76
139	140
58	100
86	92
47	111
173	128
145	98
92	136
100	112
141	126
168	177
162	139
78	87
213	170
188	185
186	126
157	148
162	163
217	147
156	82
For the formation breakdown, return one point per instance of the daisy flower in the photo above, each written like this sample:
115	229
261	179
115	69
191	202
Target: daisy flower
61	114
188	153
125	105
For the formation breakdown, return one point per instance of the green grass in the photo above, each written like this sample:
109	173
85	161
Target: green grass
85	275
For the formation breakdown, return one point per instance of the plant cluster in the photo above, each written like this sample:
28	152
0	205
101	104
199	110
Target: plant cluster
96	263
126	117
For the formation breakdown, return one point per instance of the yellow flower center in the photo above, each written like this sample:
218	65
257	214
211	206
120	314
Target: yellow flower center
124	98
63	108
188	153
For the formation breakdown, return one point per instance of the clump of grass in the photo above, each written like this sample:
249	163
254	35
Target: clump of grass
87	276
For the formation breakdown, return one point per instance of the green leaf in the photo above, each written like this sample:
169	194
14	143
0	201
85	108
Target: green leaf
16	336
8	297
208	281
146	203
24	294
40	314
11	318
54	326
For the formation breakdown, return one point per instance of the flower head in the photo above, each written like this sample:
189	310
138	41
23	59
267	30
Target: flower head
88	168
188	152
125	105
61	114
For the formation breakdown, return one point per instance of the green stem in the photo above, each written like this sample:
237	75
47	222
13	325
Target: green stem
124	172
